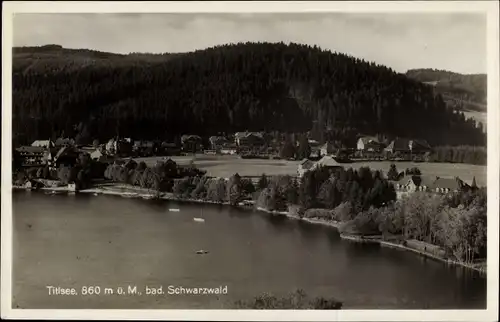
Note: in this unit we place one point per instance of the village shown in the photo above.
(65, 153)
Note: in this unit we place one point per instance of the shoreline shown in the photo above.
(141, 193)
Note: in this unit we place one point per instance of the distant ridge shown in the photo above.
(466, 92)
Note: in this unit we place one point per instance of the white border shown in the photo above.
(489, 7)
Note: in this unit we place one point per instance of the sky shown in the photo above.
(402, 41)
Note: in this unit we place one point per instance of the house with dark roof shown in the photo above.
(419, 146)
(327, 149)
(405, 147)
(169, 148)
(229, 149)
(369, 144)
(66, 156)
(398, 145)
(412, 183)
(117, 146)
(249, 139)
(327, 162)
(144, 148)
(447, 185)
(218, 142)
(239, 135)
(191, 143)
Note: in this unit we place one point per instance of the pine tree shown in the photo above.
(474, 185)
(288, 150)
(233, 190)
(263, 182)
(304, 149)
(393, 172)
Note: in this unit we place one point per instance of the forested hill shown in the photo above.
(251, 86)
(466, 92)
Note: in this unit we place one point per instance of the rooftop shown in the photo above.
(328, 161)
(448, 183)
(369, 139)
(42, 143)
(239, 135)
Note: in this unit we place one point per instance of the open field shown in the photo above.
(226, 166)
(478, 116)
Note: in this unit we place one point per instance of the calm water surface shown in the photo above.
(108, 241)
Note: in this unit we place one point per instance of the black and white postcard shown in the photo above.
(327, 161)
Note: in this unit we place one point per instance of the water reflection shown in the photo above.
(238, 213)
(309, 231)
(278, 222)
(333, 236)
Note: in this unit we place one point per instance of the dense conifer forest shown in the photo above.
(237, 87)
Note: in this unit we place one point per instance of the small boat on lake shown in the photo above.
(201, 252)
(174, 209)
(199, 219)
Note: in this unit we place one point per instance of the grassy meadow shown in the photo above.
(226, 166)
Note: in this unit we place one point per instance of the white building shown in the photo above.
(43, 143)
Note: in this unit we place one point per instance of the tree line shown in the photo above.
(458, 227)
(324, 188)
(251, 86)
(159, 177)
(460, 154)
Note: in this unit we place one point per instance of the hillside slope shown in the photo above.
(467, 92)
(254, 86)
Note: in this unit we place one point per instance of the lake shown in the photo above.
(110, 241)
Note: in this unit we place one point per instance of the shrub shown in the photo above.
(263, 182)
(344, 212)
(216, 190)
(325, 214)
(180, 186)
(247, 186)
(295, 300)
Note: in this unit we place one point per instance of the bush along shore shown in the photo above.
(361, 204)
